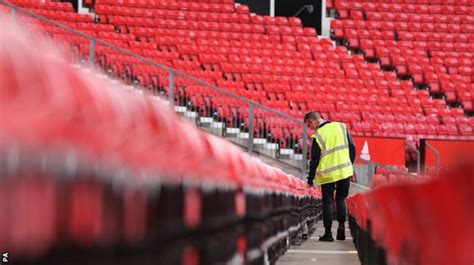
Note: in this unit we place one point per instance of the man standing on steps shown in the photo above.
(332, 155)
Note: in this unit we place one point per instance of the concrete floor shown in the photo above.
(325, 253)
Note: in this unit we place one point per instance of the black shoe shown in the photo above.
(327, 237)
(305, 236)
(341, 235)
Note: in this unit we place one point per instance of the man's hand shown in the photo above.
(354, 178)
(309, 183)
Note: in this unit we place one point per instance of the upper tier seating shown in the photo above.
(274, 61)
(430, 42)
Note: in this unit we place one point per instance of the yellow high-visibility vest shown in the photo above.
(335, 163)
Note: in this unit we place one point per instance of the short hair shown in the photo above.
(312, 115)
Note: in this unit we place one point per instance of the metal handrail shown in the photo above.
(436, 152)
(309, 7)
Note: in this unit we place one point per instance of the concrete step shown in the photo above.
(313, 251)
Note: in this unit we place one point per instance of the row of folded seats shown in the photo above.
(269, 60)
(436, 5)
(390, 175)
(393, 177)
(428, 43)
(404, 220)
(91, 173)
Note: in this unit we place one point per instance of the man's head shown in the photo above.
(312, 119)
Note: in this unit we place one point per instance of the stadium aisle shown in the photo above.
(328, 253)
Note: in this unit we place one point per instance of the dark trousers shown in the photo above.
(342, 190)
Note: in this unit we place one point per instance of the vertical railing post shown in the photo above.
(91, 51)
(304, 163)
(251, 115)
(171, 88)
(436, 153)
(13, 14)
(272, 8)
(370, 172)
(418, 162)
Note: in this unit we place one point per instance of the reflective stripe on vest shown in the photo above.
(334, 163)
(332, 169)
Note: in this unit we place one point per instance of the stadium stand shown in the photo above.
(274, 61)
(91, 173)
(428, 44)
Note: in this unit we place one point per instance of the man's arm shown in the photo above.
(352, 148)
(315, 156)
